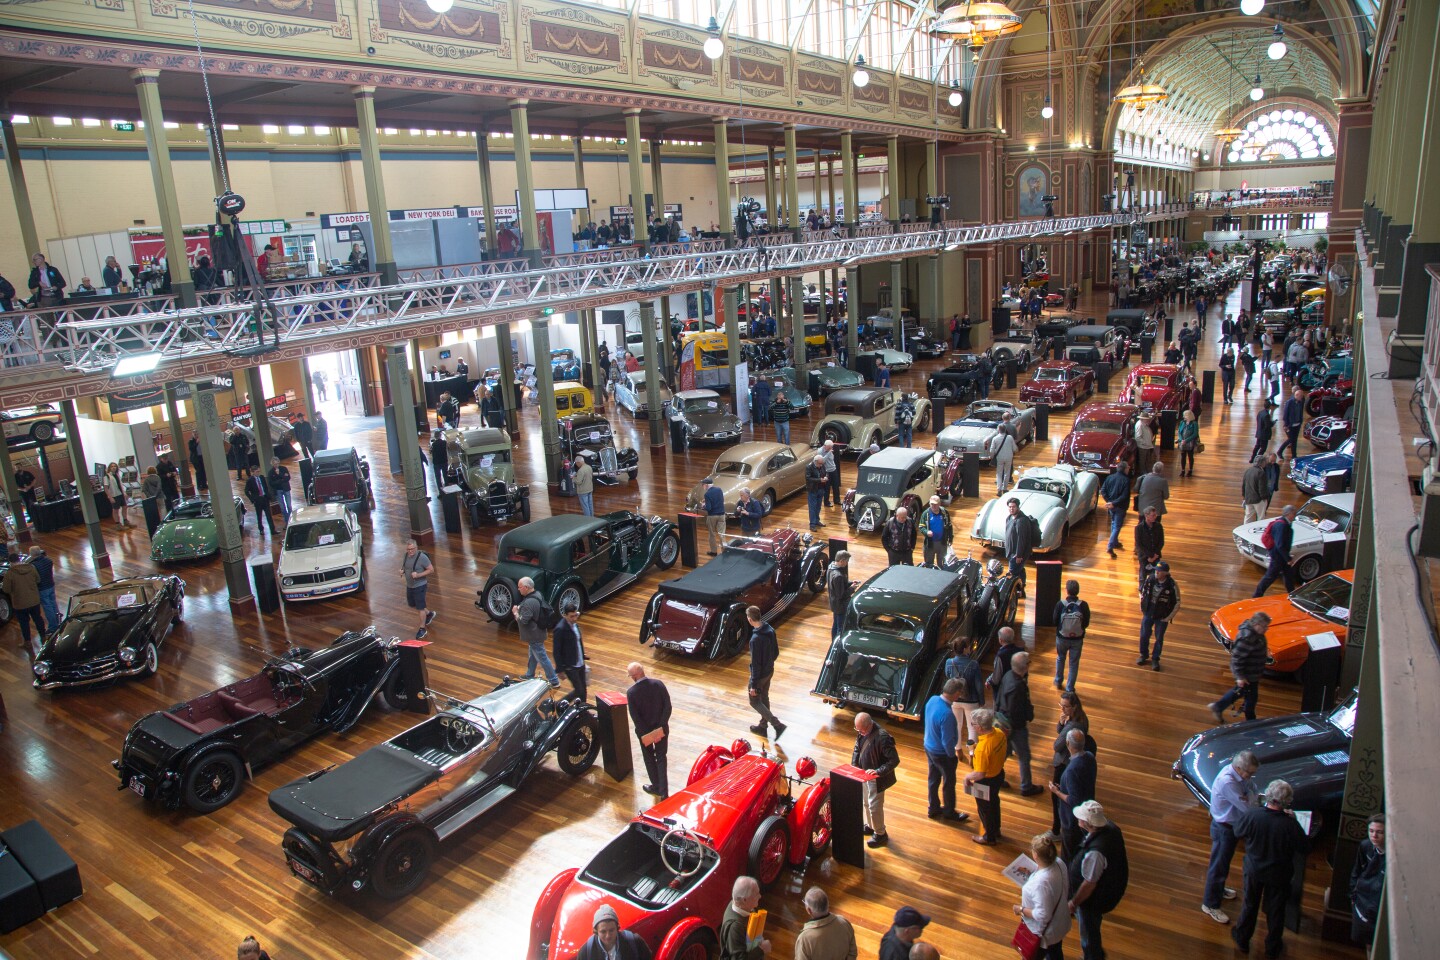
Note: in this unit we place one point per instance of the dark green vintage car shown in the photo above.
(577, 559)
(891, 651)
(189, 531)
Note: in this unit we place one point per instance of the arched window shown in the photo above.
(1282, 134)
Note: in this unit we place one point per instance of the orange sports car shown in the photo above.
(1320, 606)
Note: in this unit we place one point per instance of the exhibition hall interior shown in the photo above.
(628, 479)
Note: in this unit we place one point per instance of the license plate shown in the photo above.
(301, 870)
(869, 699)
(137, 785)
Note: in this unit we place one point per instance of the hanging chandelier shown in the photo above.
(1228, 134)
(1141, 95)
(976, 22)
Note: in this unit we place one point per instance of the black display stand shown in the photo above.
(1319, 676)
(1207, 387)
(970, 474)
(415, 675)
(1047, 591)
(847, 814)
(56, 875)
(1168, 419)
(450, 507)
(1000, 321)
(677, 435)
(1147, 349)
(267, 589)
(19, 895)
(1169, 330)
(1042, 421)
(1012, 370)
(150, 507)
(937, 414)
(689, 534)
(612, 708)
(307, 477)
(1102, 377)
(835, 545)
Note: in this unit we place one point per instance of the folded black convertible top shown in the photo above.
(735, 570)
(335, 805)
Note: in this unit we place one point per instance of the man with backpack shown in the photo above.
(415, 570)
(1072, 619)
(904, 418)
(969, 698)
(1277, 538)
(535, 619)
(1159, 603)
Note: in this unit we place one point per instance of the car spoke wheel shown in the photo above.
(835, 434)
(213, 781)
(394, 693)
(402, 864)
(816, 582)
(179, 610)
(150, 661)
(668, 552)
(570, 596)
(499, 599)
(769, 849)
(5, 609)
(579, 744)
(820, 828)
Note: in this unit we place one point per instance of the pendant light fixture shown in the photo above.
(1257, 92)
(1047, 111)
(1251, 7)
(1277, 47)
(956, 96)
(861, 76)
(1143, 94)
(977, 22)
(714, 46)
(440, 6)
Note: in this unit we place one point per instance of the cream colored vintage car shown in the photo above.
(771, 472)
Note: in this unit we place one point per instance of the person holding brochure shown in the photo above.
(737, 942)
(649, 704)
(983, 782)
(1042, 902)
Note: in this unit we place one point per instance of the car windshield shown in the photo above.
(732, 468)
(322, 533)
(884, 483)
(488, 459)
(1342, 718)
(1347, 448)
(1323, 595)
(1324, 517)
(124, 600)
(703, 405)
(1153, 380)
(190, 510)
(1050, 373)
(1053, 487)
(897, 624)
(1098, 426)
(599, 433)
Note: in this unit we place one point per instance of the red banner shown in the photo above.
(145, 248)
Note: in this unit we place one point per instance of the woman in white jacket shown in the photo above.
(1043, 898)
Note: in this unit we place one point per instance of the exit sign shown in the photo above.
(123, 126)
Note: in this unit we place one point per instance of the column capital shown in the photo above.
(144, 75)
(632, 111)
(789, 128)
(362, 90)
(520, 103)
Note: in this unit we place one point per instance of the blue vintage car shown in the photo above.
(564, 365)
(1319, 473)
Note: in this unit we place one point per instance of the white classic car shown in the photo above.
(1323, 520)
(322, 553)
(897, 360)
(1057, 497)
(977, 429)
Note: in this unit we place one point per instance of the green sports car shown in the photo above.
(189, 532)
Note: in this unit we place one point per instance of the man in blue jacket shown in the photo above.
(1292, 417)
(942, 752)
(714, 514)
(764, 651)
(1282, 534)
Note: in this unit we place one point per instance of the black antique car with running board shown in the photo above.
(201, 752)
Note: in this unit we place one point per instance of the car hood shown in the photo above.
(713, 422)
(80, 640)
(185, 536)
(1105, 444)
(318, 558)
(1301, 749)
(1304, 535)
(1323, 463)
(964, 437)
(478, 478)
(839, 376)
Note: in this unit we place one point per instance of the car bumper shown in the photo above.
(862, 699)
(1219, 637)
(1252, 551)
(317, 591)
(728, 437)
(119, 673)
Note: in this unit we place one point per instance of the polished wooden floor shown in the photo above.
(164, 884)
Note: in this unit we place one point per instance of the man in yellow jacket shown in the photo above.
(988, 773)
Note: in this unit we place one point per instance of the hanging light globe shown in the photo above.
(976, 22)
(440, 6)
(956, 96)
(714, 47)
(1277, 47)
(1251, 7)
(1047, 111)
(861, 76)
(1257, 92)
(1143, 94)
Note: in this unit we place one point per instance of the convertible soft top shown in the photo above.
(335, 806)
(735, 570)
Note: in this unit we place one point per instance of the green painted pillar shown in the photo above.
(222, 494)
(24, 213)
(408, 439)
(667, 342)
(597, 372)
(13, 498)
(100, 556)
(796, 302)
(487, 188)
(525, 182)
(509, 393)
(849, 182)
(852, 310)
(179, 453)
(732, 342)
(583, 217)
(307, 389)
(382, 257)
(897, 294)
(545, 387)
(259, 420)
(652, 379)
(638, 224)
(932, 266)
(147, 88)
(723, 220)
(657, 177)
(892, 178)
(772, 210)
(792, 183)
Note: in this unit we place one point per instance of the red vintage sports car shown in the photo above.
(669, 875)
(1156, 386)
(703, 612)
(1328, 433)
(1342, 390)
(1059, 383)
(1103, 435)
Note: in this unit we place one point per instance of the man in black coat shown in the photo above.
(257, 490)
(898, 538)
(439, 458)
(169, 480)
(322, 431)
(838, 590)
(764, 650)
(197, 460)
(1273, 839)
(1013, 700)
(569, 649)
(875, 753)
(1099, 875)
(239, 452)
(650, 715)
(1149, 542)
(304, 435)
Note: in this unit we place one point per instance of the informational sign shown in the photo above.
(147, 248)
(343, 219)
(271, 403)
(125, 400)
(264, 228)
(429, 213)
(502, 212)
(574, 199)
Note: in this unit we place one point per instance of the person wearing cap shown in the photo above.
(735, 925)
(825, 936)
(866, 454)
(610, 942)
(714, 501)
(909, 924)
(938, 530)
(1273, 839)
(1159, 603)
(1099, 874)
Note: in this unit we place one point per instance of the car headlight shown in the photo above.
(349, 571)
(42, 670)
(690, 428)
(128, 655)
(287, 582)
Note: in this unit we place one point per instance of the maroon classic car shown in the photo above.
(1157, 386)
(703, 612)
(669, 874)
(1341, 390)
(1059, 383)
(1328, 433)
(1103, 435)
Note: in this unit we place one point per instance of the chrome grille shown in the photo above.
(608, 462)
(325, 576)
(80, 672)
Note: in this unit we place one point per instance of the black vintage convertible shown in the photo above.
(396, 802)
(111, 632)
(200, 752)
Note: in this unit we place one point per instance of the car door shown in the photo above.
(590, 558)
(784, 473)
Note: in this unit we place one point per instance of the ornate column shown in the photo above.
(98, 552)
(24, 213)
(487, 188)
(1422, 245)
(575, 143)
(657, 177)
(652, 379)
(852, 308)
(849, 182)
(509, 393)
(408, 439)
(525, 182)
(259, 421)
(545, 387)
(147, 88)
(732, 338)
(723, 220)
(792, 183)
(382, 257)
(179, 454)
(637, 180)
(892, 178)
(222, 493)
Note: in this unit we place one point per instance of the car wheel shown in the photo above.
(733, 634)
(769, 851)
(360, 584)
(499, 599)
(922, 422)
(394, 693)
(767, 501)
(212, 780)
(834, 432)
(6, 611)
(573, 595)
(697, 945)
(179, 614)
(579, 744)
(816, 581)
(1308, 568)
(402, 863)
(820, 828)
(42, 431)
(151, 660)
(668, 551)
